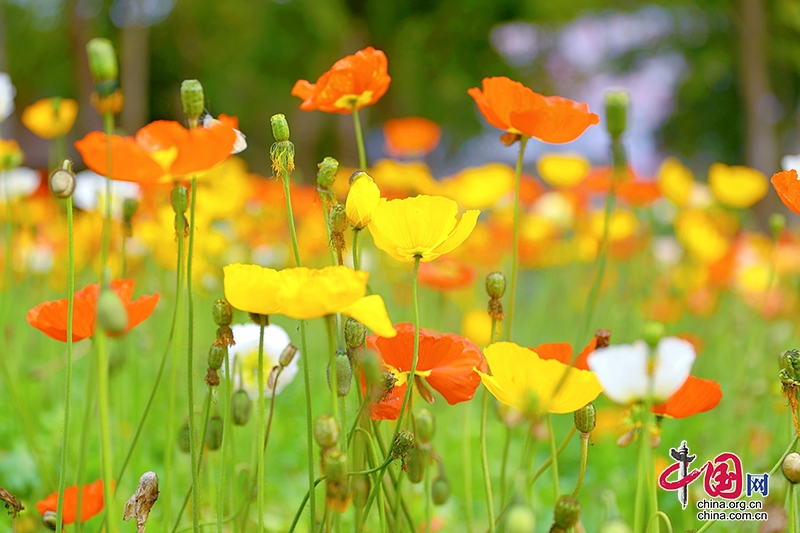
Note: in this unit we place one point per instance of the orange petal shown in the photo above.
(695, 396)
(788, 188)
(130, 162)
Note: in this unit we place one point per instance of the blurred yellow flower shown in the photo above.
(524, 381)
(305, 293)
(622, 224)
(364, 195)
(479, 187)
(675, 181)
(49, 118)
(701, 238)
(556, 207)
(424, 226)
(563, 170)
(225, 190)
(11, 155)
(736, 186)
(477, 326)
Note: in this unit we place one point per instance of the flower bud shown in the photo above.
(361, 490)
(326, 431)
(193, 100)
(185, 438)
(111, 313)
(416, 465)
(214, 432)
(791, 467)
(520, 519)
(49, 520)
(585, 418)
(344, 374)
(603, 337)
(241, 405)
(567, 512)
(334, 464)
(617, 102)
(423, 426)
(216, 356)
(280, 127)
(102, 60)
(402, 444)
(62, 183)
(326, 174)
(354, 333)
(338, 218)
(626, 438)
(180, 199)
(495, 285)
(129, 206)
(223, 312)
(653, 332)
(777, 221)
(790, 365)
(440, 491)
(287, 354)
(272, 380)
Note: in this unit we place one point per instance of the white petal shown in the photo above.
(674, 360)
(90, 192)
(790, 162)
(7, 93)
(622, 370)
(245, 353)
(18, 182)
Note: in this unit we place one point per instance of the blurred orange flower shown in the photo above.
(512, 107)
(695, 396)
(353, 82)
(446, 274)
(787, 185)
(92, 502)
(562, 351)
(161, 151)
(411, 137)
(51, 317)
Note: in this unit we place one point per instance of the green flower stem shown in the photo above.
(783, 455)
(641, 484)
(503, 467)
(62, 478)
(394, 479)
(306, 362)
(101, 346)
(664, 518)
(193, 452)
(467, 466)
(362, 155)
(515, 245)
(309, 492)
(260, 426)
(325, 200)
(226, 444)
(108, 127)
(487, 480)
(356, 258)
(88, 410)
(584, 460)
(332, 377)
(553, 455)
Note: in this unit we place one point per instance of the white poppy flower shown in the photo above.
(90, 193)
(623, 369)
(790, 162)
(7, 93)
(245, 351)
(20, 181)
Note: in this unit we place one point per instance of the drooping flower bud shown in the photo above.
(416, 465)
(102, 60)
(777, 222)
(49, 520)
(344, 374)
(423, 426)
(241, 406)
(280, 127)
(193, 100)
(653, 332)
(62, 183)
(223, 312)
(354, 333)
(326, 175)
(326, 431)
(566, 514)
(791, 467)
(495, 284)
(521, 519)
(585, 418)
(287, 355)
(617, 102)
(111, 313)
(214, 432)
(180, 199)
(440, 490)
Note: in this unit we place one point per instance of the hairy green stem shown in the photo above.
(515, 245)
(362, 155)
(193, 452)
(584, 460)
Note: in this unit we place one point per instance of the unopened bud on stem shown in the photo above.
(102, 60)
(193, 100)
(617, 102)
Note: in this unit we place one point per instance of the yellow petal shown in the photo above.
(364, 195)
(252, 288)
(371, 311)
(49, 118)
(504, 394)
(675, 181)
(458, 236)
(736, 186)
(307, 293)
(479, 187)
(563, 170)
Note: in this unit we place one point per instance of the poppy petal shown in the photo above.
(130, 162)
(695, 396)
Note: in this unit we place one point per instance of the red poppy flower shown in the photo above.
(634, 190)
(787, 185)
(411, 137)
(512, 107)
(51, 317)
(161, 151)
(446, 274)
(355, 81)
(562, 351)
(92, 502)
(446, 363)
(695, 396)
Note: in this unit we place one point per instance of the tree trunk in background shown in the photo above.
(761, 142)
(134, 57)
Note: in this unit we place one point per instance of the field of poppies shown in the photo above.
(560, 346)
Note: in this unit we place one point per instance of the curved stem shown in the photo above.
(189, 363)
(515, 245)
(303, 503)
(362, 156)
(664, 518)
(584, 459)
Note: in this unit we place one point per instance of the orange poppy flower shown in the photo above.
(787, 185)
(634, 191)
(695, 396)
(51, 317)
(512, 107)
(562, 351)
(446, 363)
(446, 274)
(92, 502)
(161, 151)
(353, 82)
(411, 137)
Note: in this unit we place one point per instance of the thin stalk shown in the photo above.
(303, 503)
(226, 431)
(467, 465)
(664, 518)
(101, 346)
(487, 480)
(515, 245)
(362, 156)
(332, 377)
(193, 452)
(260, 427)
(506, 447)
(356, 258)
(108, 127)
(584, 460)
(641, 486)
(427, 492)
(88, 409)
(553, 455)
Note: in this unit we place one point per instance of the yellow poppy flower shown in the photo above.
(622, 224)
(675, 181)
(11, 155)
(424, 226)
(479, 187)
(736, 186)
(524, 381)
(701, 237)
(49, 118)
(306, 293)
(364, 195)
(563, 170)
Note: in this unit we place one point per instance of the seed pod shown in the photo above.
(402, 444)
(111, 313)
(62, 183)
(185, 438)
(653, 332)
(440, 491)
(617, 102)
(790, 364)
(495, 285)
(241, 405)
(214, 433)
(193, 99)
(129, 207)
(585, 418)
(567, 512)
(334, 464)
(424, 425)
(326, 174)
(520, 519)
(416, 465)
(180, 199)
(102, 60)
(791, 467)
(49, 520)
(223, 312)
(338, 218)
(216, 356)
(280, 127)
(354, 333)
(326, 431)
(344, 374)
(287, 355)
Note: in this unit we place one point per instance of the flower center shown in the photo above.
(402, 377)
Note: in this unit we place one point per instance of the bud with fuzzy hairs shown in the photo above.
(566, 514)
(102, 60)
(62, 183)
(326, 175)
(326, 431)
(585, 418)
(424, 426)
(791, 467)
(111, 313)
(440, 491)
(241, 407)
(193, 100)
